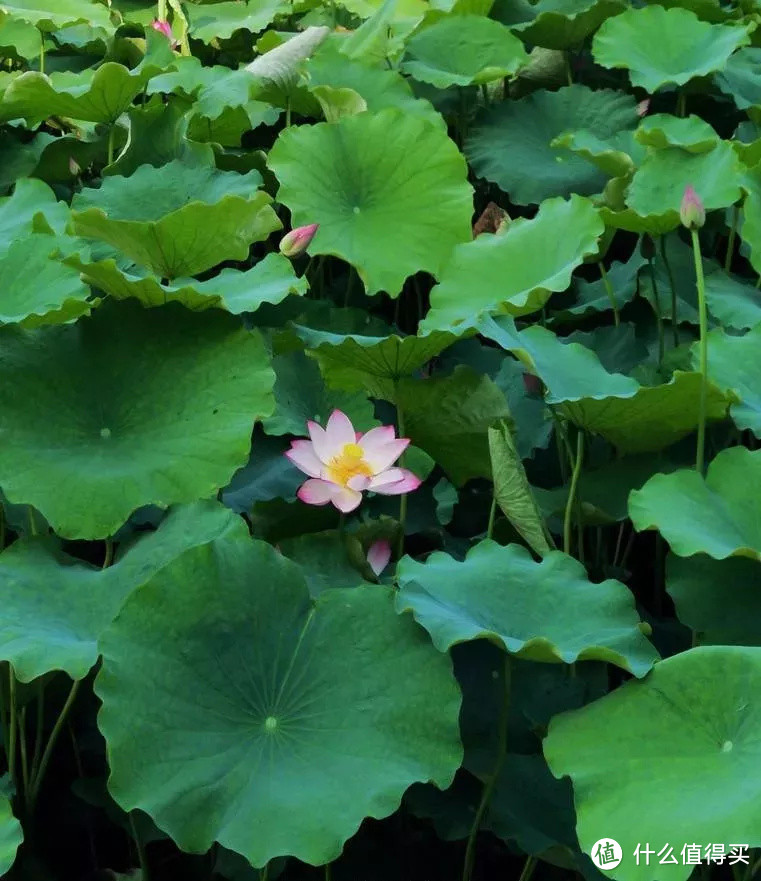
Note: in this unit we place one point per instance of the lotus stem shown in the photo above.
(403, 496)
(658, 315)
(571, 501)
(36, 781)
(609, 291)
(732, 237)
(492, 516)
(672, 285)
(470, 849)
(11, 743)
(140, 847)
(703, 313)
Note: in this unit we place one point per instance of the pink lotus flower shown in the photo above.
(342, 463)
(163, 27)
(297, 240)
(692, 212)
(379, 555)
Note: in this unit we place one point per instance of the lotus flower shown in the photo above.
(163, 27)
(692, 212)
(379, 555)
(342, 463)
(297, 240)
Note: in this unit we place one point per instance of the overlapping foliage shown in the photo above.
(541, 622)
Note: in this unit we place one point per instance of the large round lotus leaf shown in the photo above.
(740, 78)
(653, 418)
(516, 271)
(546, 611)
(269, 281)
(691, 133)
(129, 407)
(528, 168)
(557, 24)
(719, 515)
(220, 20)
(100, 96)
(669, 761)
(372, 182)
(659, 184)
(50, 15)
(379, 87)
(661, 46)
(178, 220)
(734, 363)
(11, 835)
(37, 287)
(461, 50)
(718, 599)
(18, 212)
(276, 723)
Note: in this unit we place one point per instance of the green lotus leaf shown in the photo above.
(662, 46)
(463, 50)
(718, 515)
(379, 87)
(50, 15)
(336, 103)
(529, 169)
(11, 835)
(449, 417)
(653, 418)
(280, 68)
(734, 363)
(269, 281)
(372, 195)
(615, 156)
(94, 447)
(732, 302)
(517, 271)
(648, 759)
(19, 39)
(262, 732)
(218, 21)
(751, 214)
(18, 212)
(301, 395)
(561, 24)
(178, 220)
(691, 133)
(592, 296)
(707, 10)
(718, 599)
(229, 127)
(19, 156)
(740, 78)
(36, 285)
(266, 476)
(323, 560)
(658, 185)
(547, 611)
(353, 360)
(95, 96)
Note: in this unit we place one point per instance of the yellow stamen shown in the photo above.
(347, 464)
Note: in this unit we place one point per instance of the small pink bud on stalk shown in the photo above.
(691, 212)
(297, 240)
(379, 555)
(163, 27)
(74, 167)
(643, 107)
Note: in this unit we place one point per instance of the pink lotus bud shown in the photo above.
(643, 107)
(163, 27)
(691, 212)
(379, 555)
(74, 167)
(297, 240)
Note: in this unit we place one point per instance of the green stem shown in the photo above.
(32, 524)
(22, 750)
(328, 873)
(732, 237)
(703, 313)
(528, 868)
(492, 517)
(42, 52)
(572, 491)
(288, 112)
(568, 69)
(143, 862)
(485, 94)
(109, 556)
(2, 527)
(263, 873)
(681, 104)
(11, 744)
(658, 315)
(37, 754)
(672, 285)
(349, 286)
(403, 496)
(470, 849)
(39, 776)
(111, 136)
(609, 292)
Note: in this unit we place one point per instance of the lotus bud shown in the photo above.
(379, 555)
(297, 240)
(74, 168)
(692, 212)
(163, 27)
(643, 107)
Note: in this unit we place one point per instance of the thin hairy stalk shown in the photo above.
(703, 315)
(609, 292)
(569, 505)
